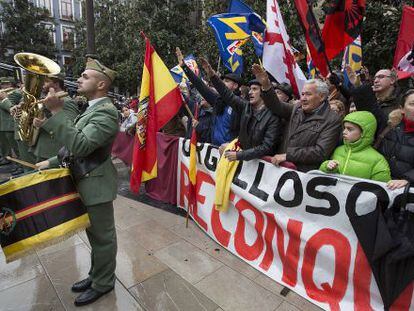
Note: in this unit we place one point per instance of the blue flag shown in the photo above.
(178, 73)
(258, 26)
(231, 32)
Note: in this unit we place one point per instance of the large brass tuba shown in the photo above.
(37, 68)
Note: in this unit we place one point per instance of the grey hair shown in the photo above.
(321, 87)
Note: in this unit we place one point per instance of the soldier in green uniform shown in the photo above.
(46, 145)
(89, 139)
(7, 101)
(23, 147)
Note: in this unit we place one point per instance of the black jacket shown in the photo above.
(259, 132)
(396, 146)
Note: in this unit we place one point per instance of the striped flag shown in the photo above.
(159, 101)
(193, 162)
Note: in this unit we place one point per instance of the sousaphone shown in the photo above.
(37, 68)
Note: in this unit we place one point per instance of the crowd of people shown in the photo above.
(363, 128)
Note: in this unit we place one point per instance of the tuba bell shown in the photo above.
(37, 68)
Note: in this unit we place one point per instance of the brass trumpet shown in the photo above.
(38, 67)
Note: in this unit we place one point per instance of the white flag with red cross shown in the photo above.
(278, 56)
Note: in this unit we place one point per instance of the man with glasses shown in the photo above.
(384, 87)
(386, 90)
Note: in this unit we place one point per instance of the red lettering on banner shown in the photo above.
(243, 249)
(330, 294)
(221, 234)
(362, 282)
(184, 192)
(403, 302)
(290, 258)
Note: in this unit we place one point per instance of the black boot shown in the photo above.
(89, 296)
(81, 286)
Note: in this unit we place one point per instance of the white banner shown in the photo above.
(293, 227)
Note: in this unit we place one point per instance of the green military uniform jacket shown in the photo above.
(47, 146)
(96, 127)
(6, 120)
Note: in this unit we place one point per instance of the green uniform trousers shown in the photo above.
(4, 145)
(9, 138)
(102, 237)
(25, 154)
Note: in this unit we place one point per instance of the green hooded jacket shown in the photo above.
(360, 159)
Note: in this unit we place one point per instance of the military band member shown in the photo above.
(7, 123)
(46, 145)
(24, 153)
(89, 139)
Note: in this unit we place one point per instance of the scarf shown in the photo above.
(408, 125)
(224, 177)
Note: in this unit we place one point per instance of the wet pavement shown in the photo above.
(161, 265)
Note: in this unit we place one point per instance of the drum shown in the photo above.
(38, 210)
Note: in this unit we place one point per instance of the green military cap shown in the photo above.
(94, 64)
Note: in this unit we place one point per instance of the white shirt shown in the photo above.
(129, 122)
(94, 101)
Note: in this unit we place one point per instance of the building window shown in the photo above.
(51, 30)
(68, 38)
(67, 62)
(66, 10)
(45, 4)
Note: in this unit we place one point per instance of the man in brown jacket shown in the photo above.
(313, 129)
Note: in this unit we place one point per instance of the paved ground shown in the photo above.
(161, 265)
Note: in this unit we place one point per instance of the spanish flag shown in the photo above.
(159, 101)
(193, 163)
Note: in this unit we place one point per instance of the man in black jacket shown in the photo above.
(259, 128)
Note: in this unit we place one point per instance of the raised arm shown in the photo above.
(365, 100)
(282, 110)
(227, 96)
(209, 95)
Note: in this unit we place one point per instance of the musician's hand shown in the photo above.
(262, 76)
(38, 122)
(53, 103)
(42, 165)
(207, 67)
(3, 95)
(180, 56)
(15, 111)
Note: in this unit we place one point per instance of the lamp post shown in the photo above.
(90, 29)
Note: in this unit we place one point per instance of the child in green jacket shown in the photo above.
(357, 157)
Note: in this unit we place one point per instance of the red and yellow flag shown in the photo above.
(159, 101)
(192, 171)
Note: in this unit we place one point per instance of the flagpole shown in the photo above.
(189, 110)
(318, 31)
(218, 64)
